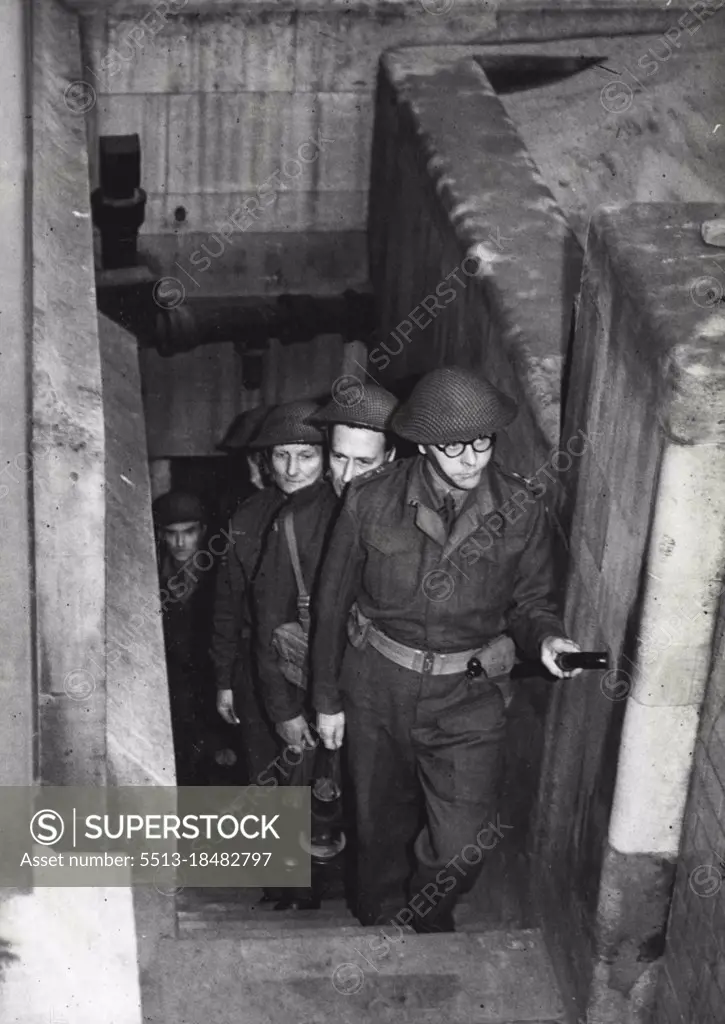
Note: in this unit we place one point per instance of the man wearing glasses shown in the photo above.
(421, 600)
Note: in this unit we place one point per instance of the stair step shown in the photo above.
(230, 913)
(238, 913)
(353, 976)
(271, 925)
(235, 930)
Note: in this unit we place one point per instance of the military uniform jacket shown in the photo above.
(187, 624)
(275, 590)
(231, 625)
(389, 552)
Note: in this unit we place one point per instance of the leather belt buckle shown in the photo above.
(428, 662)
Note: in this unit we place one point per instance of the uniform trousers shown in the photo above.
(425, 757)
(258, 740)
(259, 743)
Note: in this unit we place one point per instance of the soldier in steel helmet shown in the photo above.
(246, 471)
(293, 456)
(420, 579)
(358, 443)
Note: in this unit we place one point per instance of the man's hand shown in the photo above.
(225, 706)
(554, 645)
(296, 733)
(331, 729)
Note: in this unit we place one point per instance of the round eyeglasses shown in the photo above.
(479, 444)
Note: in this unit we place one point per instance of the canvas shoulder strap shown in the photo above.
(303, 598)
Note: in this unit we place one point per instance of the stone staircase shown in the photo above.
(230, 959)
(350, 975)
(236, 960)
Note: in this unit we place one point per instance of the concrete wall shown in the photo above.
(639, 127)
(65, 954)
(140, 749)
(225, 95)
(692, 985)
(18, 765)
(471, 259)
(190, 399)
(638, 459)
(68, 482)
(644, 512)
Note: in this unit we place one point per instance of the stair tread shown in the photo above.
(353, 975)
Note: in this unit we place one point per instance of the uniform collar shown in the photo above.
(420, 496)
(173, 576)
(438, 488)
(308, 495)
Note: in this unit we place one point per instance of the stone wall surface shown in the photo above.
(639, 127)
(471, 258)
(65, 954)
(646, 523)
(191, 398)
(68, 481)
(692, 984)
(140, 748)
(226, 98)
(18, 765)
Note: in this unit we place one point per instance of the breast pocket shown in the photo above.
(391, 568)
(490, 569)
(389, 542)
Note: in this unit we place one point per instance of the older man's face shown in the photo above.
(295, 466)
(354, 451)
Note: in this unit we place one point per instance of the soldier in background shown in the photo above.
(358, 443)
(245, 468)
(294, 460)
(424, 583)
(187, 597)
